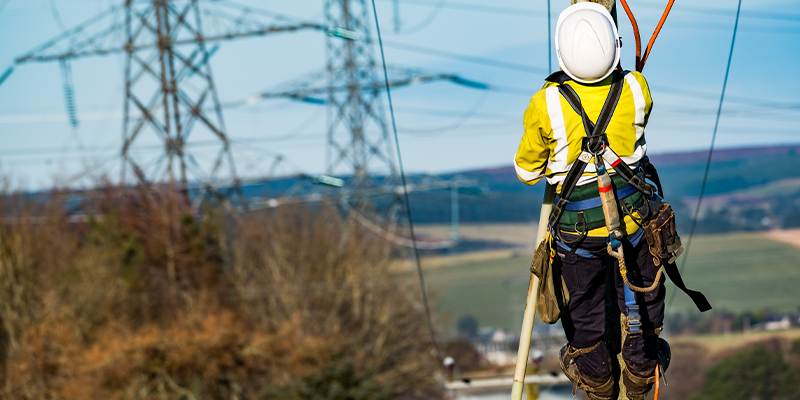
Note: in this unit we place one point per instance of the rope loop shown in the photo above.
(623, 271)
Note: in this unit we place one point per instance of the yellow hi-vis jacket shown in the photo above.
(554, 132)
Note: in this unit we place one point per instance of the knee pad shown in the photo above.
(639, 383)
(596, 388)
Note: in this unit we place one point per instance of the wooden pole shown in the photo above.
(530, 305)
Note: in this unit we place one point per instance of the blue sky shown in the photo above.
(443, 127)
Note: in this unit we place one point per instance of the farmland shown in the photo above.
(737, 272)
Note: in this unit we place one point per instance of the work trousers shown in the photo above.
(585, 317)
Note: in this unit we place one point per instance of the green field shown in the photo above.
(737, 272)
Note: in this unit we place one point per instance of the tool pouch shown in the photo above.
(664, 242)
(553, 295)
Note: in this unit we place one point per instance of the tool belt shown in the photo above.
(664, 242)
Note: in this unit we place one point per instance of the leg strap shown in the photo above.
(575, 353)
(594, 390)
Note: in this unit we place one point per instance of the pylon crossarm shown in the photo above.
(78, 43)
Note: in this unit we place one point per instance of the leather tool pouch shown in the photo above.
(552, 298)
(659, 230)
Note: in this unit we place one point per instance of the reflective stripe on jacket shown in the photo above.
(554, 131)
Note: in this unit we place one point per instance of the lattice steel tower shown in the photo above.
(169, 89)
(358, 135)
(169, 86)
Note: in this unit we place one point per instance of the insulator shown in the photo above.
(69, 93)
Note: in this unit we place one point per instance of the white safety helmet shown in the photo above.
(587, 43)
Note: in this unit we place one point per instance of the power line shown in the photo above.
(531, 69)
(425, 22)
(754, 14)
(711, 148)
(549, 40)
(405, 191)
(478, 8)
(462, 119)
(466, 58)
(526, 12)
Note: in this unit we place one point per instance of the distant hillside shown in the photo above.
(682, 173)
(748, 188)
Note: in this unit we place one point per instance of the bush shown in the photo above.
(148, 301)
(751, 374)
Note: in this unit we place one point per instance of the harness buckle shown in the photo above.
(558, 210)
(634, 321)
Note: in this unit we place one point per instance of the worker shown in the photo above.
(556, 138)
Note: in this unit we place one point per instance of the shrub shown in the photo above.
(751, 374)
(147, 300)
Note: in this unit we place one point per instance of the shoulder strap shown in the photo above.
(594, 141)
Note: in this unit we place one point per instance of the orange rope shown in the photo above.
(639, 59)
(655, 396)
(635, 33)
(656, 32)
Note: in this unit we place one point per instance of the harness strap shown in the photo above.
(576, 352)
(595, 202)
(625, 171)
(634, 319)
(593, 141)
(698, 298)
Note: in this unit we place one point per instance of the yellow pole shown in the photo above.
(530, 305)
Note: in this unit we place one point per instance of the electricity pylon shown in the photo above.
(358, 135)
(170, 94)
(351, 86)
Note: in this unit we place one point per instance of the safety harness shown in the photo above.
(595, 145)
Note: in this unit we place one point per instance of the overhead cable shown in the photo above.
(549, 40)
(529, 13)
(476, 7)
(420, 26)
(710, 150)
(405, 192)
(466, 58)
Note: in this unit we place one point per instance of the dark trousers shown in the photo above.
(584, 320)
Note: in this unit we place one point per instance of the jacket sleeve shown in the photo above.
(648, 99)
(530, 162)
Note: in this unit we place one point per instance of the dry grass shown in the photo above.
(720, 344)
(788, 236)
(147, 301)
(523, 235)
